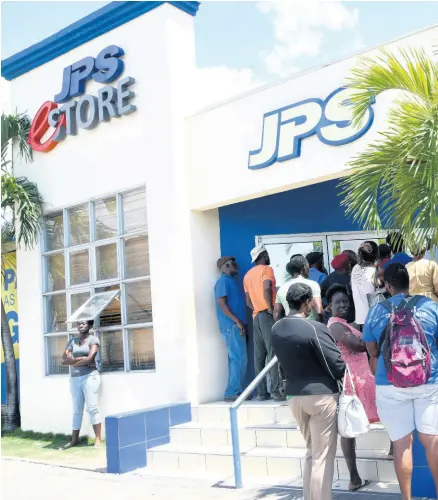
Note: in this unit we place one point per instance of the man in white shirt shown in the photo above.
(298, 268)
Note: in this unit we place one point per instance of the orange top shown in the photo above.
(253, 284)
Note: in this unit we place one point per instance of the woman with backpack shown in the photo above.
(353, 349)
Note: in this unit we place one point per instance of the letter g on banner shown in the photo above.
(40, 125)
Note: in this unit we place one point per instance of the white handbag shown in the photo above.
(352, 418)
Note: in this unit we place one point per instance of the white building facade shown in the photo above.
(141, 196)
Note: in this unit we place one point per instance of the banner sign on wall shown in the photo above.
(9, 299)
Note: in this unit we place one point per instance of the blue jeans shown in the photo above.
(85, 389)
(237, 360)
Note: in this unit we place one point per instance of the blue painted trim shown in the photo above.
(130, 435)
(95, 24)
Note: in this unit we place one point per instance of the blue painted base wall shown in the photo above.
(130, 435)
(422, 480)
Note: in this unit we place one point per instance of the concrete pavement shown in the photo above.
(27, 481)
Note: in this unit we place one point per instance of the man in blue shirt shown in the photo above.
(402, 410)
(231, 315)
(317, 271)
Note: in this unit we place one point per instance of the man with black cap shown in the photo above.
(317, 271)
(231, 315)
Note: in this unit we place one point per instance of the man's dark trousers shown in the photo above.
(264, 352)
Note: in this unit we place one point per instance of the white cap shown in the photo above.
(255, 252)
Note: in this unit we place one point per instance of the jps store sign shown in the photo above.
(89, 110)
(285, 128)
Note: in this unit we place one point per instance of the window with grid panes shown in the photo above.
(96, 247)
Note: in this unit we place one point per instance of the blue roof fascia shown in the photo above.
(97, 23)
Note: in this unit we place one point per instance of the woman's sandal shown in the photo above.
(365, 482)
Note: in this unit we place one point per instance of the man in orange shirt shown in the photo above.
(260, 290)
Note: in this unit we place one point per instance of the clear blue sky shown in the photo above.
(271, 41)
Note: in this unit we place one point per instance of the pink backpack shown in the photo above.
(406, 352)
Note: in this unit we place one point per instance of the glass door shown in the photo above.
(282, 247)
(339, 242)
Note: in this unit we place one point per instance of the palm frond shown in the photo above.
(8, 232)
(394, 181)
(410, 71)
(15, 128)
(22, 197)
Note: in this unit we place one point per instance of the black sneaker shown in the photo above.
(278, 398)
(264, 398)
(230, 399)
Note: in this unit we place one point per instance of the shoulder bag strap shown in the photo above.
(348, 374)
(382, 339)
(412, 301)
(375, 278)
(389, 307)
(403, 304)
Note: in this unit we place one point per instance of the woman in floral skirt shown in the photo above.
(353, 350)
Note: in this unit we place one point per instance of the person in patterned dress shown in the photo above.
(353, 350)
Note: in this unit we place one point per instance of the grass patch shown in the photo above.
(48, 447)
(19, 439)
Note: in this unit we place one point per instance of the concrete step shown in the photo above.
(272, 448)
(282, 486)
(265, 486)
(263, 435)
(262, 461)
(251, 412)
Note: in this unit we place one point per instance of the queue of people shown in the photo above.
(317, 324)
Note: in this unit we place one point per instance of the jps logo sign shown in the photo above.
(105, 68)
(285, 128)
(89, 110)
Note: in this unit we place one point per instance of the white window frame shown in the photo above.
(93, 283)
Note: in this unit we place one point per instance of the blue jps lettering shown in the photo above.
(105, 68)
(285, 128)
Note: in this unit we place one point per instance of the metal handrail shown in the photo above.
(234, 424)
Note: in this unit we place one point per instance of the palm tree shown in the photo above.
(20, 200)
(394, 183)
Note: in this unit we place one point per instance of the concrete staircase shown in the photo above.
(272, 448)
